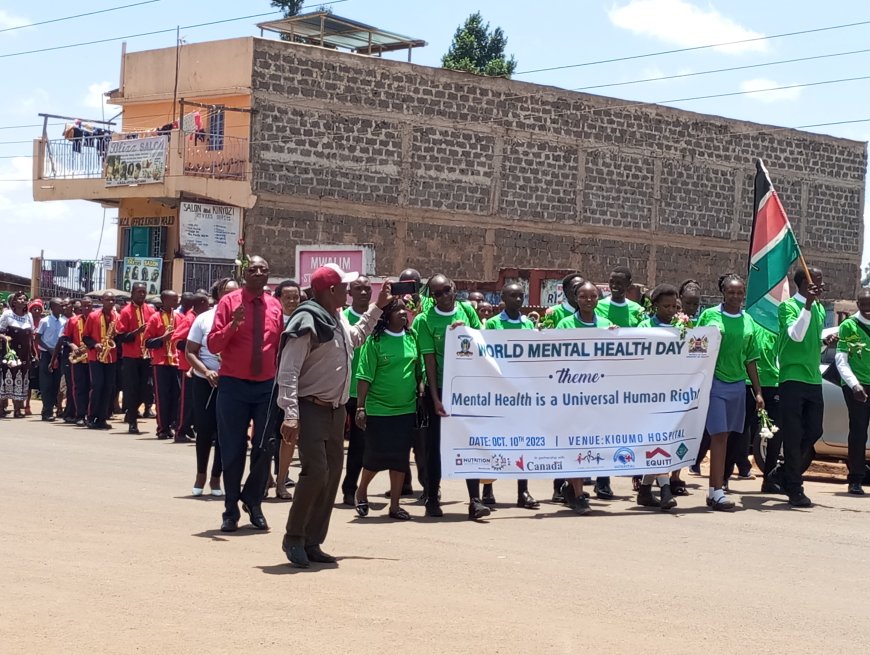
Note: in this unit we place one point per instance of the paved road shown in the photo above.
(103, 551)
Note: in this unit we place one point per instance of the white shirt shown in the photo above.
(198, 333)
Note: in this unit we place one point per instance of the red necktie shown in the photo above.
(257, 326)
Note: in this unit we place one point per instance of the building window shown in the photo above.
(216, 129)
(144, 241)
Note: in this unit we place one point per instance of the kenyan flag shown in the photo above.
(772, 250)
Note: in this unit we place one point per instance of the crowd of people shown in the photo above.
(241, 369)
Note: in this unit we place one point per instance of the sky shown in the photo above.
(542, 35)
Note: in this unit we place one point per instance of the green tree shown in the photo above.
(288, 7)
(476, 49)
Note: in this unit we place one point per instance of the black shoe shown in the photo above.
(799, 499)
(580, 506)
(667, 498)
(423, 499)
(133, 429)
(525, 501)
(256, 515)
(289, 482)
(477, 510)
(434, 510)
(81, 423)
(645, 496)
(724, 504)
(297, 556)
(558, 497)
(407, 492)
(488, 499)
(348, 499)
(567, 493)
(229, 525)
(315, 554)
(771, 487)
(603, 491)
(182, 438)
(48, 419)
(162, 436)
(69, 419)
(678, 488)
(149, 414)
(856, 489)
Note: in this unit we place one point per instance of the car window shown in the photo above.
(828, 354)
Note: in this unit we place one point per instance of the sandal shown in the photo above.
(283, 494)
(723, 504)
(678, 488)
(362, 508)
(400, 515)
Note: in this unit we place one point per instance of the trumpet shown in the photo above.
(79, 355)
(171, 352)
(108, 345)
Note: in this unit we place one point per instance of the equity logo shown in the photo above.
(658, 457)
(658, 452)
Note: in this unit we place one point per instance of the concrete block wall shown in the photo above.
(447, 171)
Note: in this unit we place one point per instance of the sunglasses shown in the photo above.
(442, 292)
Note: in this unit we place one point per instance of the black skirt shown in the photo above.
(388, 442)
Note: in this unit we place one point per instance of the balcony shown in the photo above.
(204, 166)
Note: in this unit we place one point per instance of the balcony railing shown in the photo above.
(224, 157)
(81, 158)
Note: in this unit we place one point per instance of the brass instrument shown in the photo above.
(171, 353)
(78, 355)
(108, 344)
(145, 353)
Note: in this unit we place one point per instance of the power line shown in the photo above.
(694, 48)
(90, 13)
(723, 70)
(141, 34)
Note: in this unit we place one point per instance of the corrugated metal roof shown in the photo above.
(327, 29)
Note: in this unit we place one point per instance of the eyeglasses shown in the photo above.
(442, 292)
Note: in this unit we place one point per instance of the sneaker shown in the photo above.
(581, 506)
(477, 510)
(645, 496)
(667, 498)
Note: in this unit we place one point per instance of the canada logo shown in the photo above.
(521, 465)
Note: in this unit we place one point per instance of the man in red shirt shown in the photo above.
(102, 358)
(135, 363)
(80, 379)
(246, 331)
(160, 341)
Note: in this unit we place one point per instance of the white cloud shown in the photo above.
(96, 98)
(684, 24)
(760, 83)
(8, 20)
(63, 229)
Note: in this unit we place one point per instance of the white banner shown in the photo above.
(209, 230)
(574, 403)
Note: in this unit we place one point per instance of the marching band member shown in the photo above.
(160, 341)
(135, 362)
(99, 337)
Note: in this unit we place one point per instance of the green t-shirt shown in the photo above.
(573, 321)
(502, 322)
(799, 360)
(432, 325)
(353, 318)
(390, 364)
(738, 343)
(653, 322)
(860, 364)
(628, 314)
(557, 313)
(767, 364)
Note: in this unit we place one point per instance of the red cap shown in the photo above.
(35, 303)
(330, 275)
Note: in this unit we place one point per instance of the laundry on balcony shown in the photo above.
(85, 134)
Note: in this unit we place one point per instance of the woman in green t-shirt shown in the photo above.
(389, 382)
(738, 353)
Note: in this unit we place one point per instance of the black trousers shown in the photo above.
(204, 407)
(801, 409)
(433, 450)
(419, 447)
(102, 391)
(185, 405)
(69, 410)
(81, 388)
(49, 383)
(355, 450)
(859, 420)
(239, 402)
(774, 444)
(167, 392)
(135, 373)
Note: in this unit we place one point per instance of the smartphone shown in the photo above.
(404, 288)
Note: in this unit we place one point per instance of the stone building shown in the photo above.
(448, 171)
